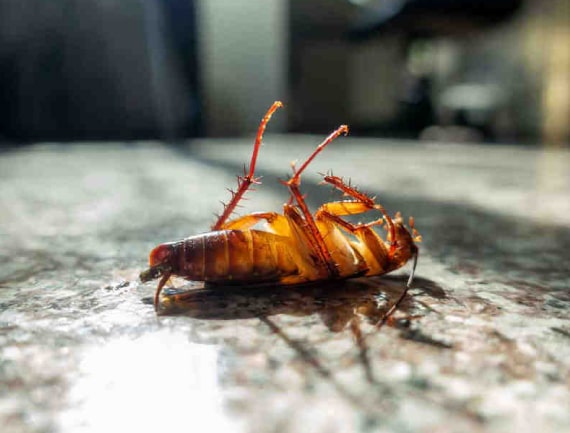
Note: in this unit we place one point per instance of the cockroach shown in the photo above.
(295, 247)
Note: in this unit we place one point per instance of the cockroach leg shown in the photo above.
(342, 129)
(335, 219)
(315, 234)
(325, 213)
(293, 185)
(416, 236)
(339, 184)
(322, 253)
(396, 304)
(275, 222)
(244, 182)
(248, 221)
(161, 284)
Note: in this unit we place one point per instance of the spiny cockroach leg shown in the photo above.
(339, 184)
(321, 252)
(347, 189)
(342, 129)
(319, 242)
(245, 181)
(293, 185)
(349, 227)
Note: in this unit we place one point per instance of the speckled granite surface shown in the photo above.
(481, 344)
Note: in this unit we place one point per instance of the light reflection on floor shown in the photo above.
(158, 382)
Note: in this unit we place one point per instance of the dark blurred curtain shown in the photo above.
(107, 69)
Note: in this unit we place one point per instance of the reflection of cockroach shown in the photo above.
(294, 247)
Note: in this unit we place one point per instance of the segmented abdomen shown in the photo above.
(235, 256)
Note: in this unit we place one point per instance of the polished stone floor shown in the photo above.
(481, 344)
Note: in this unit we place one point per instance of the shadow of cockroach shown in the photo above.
(336, 302)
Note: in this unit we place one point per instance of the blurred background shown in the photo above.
(446, 70)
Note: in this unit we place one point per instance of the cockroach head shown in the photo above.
(154, 272)
(160, 258)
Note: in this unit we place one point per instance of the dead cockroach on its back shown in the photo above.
(295, 247)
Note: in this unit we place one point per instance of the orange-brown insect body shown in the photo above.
(227, 256)
(292, 248)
